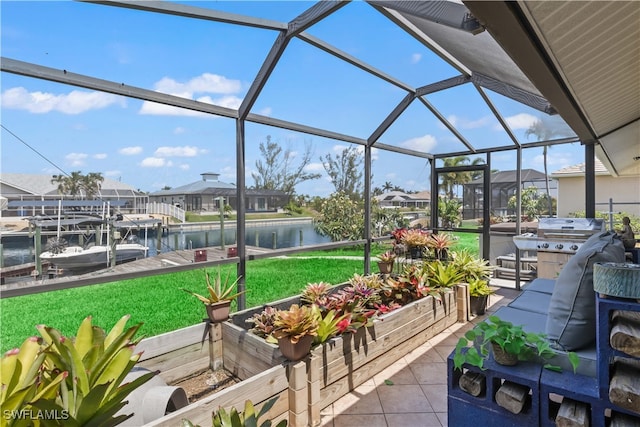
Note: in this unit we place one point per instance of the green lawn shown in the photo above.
(159, 302)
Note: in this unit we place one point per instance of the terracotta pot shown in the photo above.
(385, 267)
(502, 357)
(218, 312)
(478, 304)
(295, 351)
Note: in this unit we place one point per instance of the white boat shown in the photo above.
(77, 257)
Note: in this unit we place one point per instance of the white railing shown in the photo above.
(165, 209)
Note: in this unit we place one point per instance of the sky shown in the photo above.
(51, 128)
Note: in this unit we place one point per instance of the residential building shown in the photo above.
(205, 195)
(622, 192)
(36, 194)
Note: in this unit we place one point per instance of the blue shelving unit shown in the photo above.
(468, 410)
(606, 354)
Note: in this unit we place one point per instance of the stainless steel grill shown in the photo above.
(557, 240)
(566, 235)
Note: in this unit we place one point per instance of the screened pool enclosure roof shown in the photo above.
(573, 64)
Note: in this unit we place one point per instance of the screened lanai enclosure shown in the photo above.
(413, 86)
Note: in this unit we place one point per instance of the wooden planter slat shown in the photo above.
(170, 341)
(258, 389)
(179, 363)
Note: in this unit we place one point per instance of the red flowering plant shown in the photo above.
(398, 234)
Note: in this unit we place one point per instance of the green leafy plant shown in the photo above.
(443, 275)
(246, 418)
(328, 324)
(473, 348)
(480, 288)
(21, 379)
(218, 290)
(79, 379)
(471, 266)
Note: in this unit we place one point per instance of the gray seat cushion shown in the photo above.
(537, 302)
(571, 321)
(541, 285)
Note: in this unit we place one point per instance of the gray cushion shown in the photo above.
(537, 302)
(541, 285)
(571, 323)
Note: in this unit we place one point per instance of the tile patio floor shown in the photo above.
(412, 392)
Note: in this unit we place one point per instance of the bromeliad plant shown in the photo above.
(247, 418)
(218, 290)
(78, 378)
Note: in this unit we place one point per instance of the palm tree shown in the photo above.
(543, 133)
(452, 179)
(387, 186)
(76, 183)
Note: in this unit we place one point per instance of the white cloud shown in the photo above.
(424, 143)
(186, 151)
(415, 58)
(266, 111)
(195, 89)
(113, 173)
(130, 151)
(76, 159)
(520, 121)
(179, 130)
(314, 167)
(184, 166)
(463, 123)
(75, 102)
(155, 162)
(100, 156)
(205, 83)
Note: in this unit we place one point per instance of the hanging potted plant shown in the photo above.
(218, 302)
(479, 291)
(295, 329)
(386, 261)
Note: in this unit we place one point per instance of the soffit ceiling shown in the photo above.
(584, 57)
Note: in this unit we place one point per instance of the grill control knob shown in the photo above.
(574, 247)
(544, 245)
(559, 246)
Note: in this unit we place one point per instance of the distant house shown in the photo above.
(398, 199)
(503, 186)
(204, 195)
(34, 194)
(622, 191)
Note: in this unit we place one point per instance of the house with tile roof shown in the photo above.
(35, 194)
(399, 199)
(623, 192)
(204, 196)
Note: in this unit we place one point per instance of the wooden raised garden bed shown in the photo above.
(332, 370)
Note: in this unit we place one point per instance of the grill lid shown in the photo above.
(570, 225)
